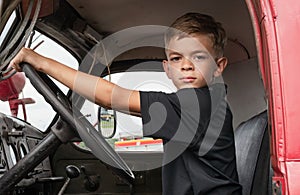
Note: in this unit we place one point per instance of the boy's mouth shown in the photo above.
(188, 79)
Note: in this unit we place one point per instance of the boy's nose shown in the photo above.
(187, 65)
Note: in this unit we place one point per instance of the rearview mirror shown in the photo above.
(106, 122)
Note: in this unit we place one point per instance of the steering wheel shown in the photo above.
(73, 117)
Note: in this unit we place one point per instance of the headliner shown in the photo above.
(107, 17)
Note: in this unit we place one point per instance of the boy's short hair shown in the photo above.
(197, 23)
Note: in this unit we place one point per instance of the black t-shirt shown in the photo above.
(196, 127)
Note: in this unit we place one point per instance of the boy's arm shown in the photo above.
(94, 88)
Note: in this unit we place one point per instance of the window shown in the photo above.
(40, 114)
(8, 28)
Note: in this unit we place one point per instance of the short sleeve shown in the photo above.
(157, 109)
(178, 116)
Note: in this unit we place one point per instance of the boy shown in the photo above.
(195, 122)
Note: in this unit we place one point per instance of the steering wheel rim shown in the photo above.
(89, 135)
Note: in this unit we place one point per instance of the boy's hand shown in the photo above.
(26, 55)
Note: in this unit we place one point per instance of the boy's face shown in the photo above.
(191, 61)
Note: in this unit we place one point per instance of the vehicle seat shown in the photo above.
(253, 155)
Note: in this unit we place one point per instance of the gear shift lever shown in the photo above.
(72, 172)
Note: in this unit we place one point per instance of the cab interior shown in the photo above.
(80, 25)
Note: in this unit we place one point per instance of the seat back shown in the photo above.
(250, 150)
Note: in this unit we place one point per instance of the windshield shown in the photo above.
(40, 113)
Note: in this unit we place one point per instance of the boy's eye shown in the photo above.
(199, 57)
(175, 59)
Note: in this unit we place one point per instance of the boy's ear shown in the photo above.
(166, 67)
(221, 65)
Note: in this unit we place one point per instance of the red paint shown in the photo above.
(277, 26)
(10, 88)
